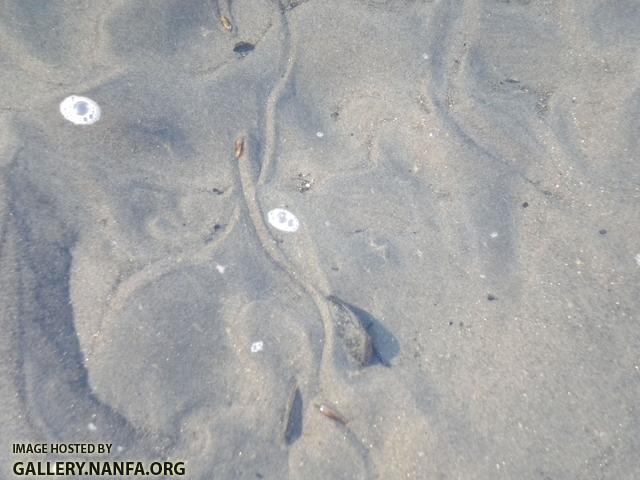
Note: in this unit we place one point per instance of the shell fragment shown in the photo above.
(80, 110)
(283, 220)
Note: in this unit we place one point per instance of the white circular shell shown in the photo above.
(283, 220)
(80, 110)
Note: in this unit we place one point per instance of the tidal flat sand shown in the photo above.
(459, 299)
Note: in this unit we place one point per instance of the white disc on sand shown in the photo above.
(283, 220)
(80, 110)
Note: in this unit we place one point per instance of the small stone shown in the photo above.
(242, 49)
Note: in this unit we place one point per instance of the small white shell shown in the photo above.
(80, 110)
(283, 220)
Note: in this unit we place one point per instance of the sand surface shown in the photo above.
(461, 299)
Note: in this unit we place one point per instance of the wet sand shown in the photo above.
(460, 300)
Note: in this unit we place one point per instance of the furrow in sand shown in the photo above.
(270, 121)
(320, 299)
(269, 244)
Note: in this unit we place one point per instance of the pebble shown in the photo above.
(242, 49)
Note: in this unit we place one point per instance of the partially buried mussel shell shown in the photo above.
(351, 331)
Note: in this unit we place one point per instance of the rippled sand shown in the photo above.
(460, 300)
